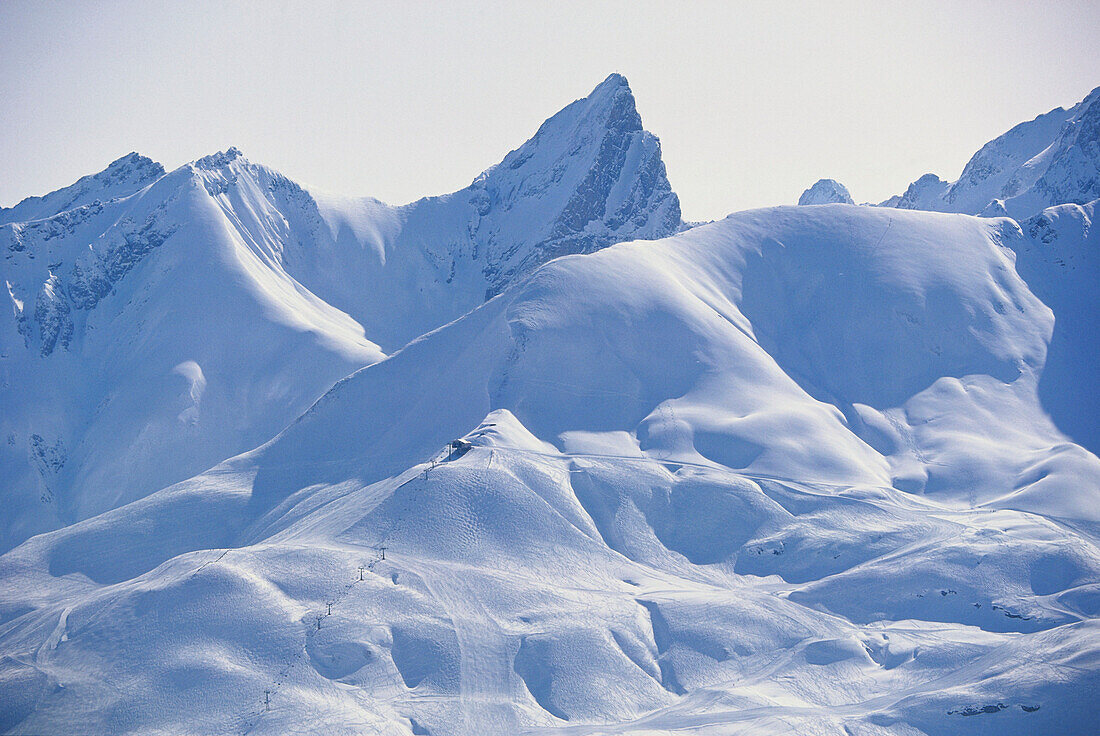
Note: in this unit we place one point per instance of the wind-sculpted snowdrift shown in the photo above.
(784, 473)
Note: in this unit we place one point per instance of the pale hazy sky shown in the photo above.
(753, 102)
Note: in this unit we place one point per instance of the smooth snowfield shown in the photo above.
(785, 473)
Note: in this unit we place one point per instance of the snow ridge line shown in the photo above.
(685, 463)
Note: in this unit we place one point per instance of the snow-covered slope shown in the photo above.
(143, 342)
(161, 323)
(1051, 160)
(826, 191)
(784, 473)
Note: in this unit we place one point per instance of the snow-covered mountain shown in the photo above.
(591, 176)
(160, 323)
(144, 341)
(1051, 160)
(783, 473)
(826, 191)
(802, 470)
(122, 178)
(1046, 174)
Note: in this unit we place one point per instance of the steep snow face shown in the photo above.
(1051, 160)
(923, 297)
(659, 519)
(122, 178)
(1046, 174)
(826, 191)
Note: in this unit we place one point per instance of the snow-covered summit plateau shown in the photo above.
(582, 470)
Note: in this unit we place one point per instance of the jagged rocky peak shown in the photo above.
(579, 155)
(608, 112)
(220, 159)
(121, 178)
(133, 167)
(1073, 174)
(219, 170)
(992, 172)
(267, 190)
(591, 176)
(826, 191)
(66, 250)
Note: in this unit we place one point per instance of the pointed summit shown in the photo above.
(591, 176)
(614, 97)
(614, 79)
(826, 191)
(121, 178)
(610, 106)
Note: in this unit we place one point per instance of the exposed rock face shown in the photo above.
(994, 172)
(1073, 176)
(51, 315)
(826, 191)
(82, 262)
(590, 177)
(595, 155)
